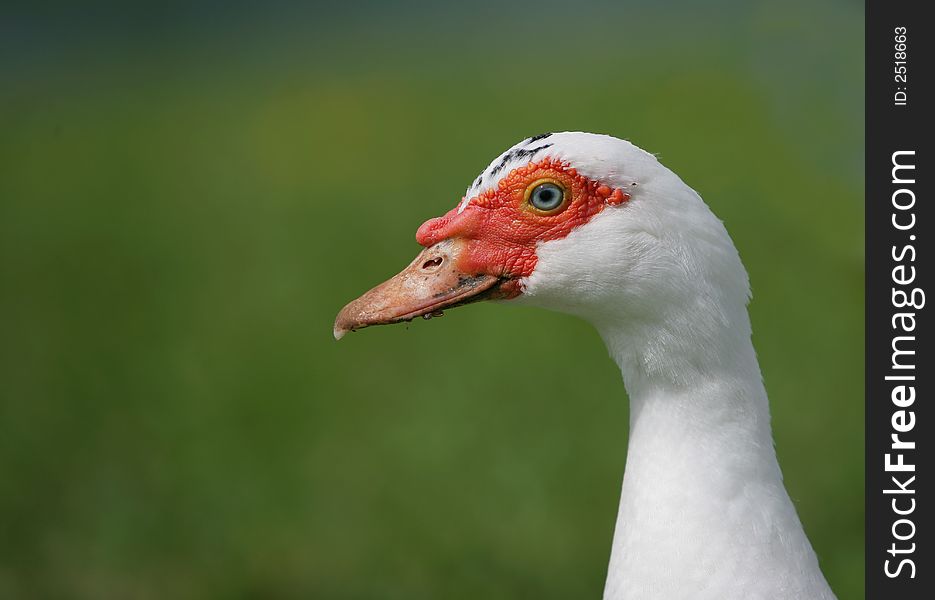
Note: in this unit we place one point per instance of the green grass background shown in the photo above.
(189, 194)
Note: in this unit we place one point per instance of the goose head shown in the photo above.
(581, 223)
(593, 226)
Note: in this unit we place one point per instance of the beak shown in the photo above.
(429, 284)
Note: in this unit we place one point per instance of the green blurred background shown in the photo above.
(190, 192)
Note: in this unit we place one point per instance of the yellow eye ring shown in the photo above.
(545, 197)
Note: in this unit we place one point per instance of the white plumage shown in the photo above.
(703, 511)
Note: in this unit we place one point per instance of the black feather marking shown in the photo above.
(534, 150)
(515, 155)
(536, 138)
(524, 153)
(506, 158)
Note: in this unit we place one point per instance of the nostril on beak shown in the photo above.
(432, 264)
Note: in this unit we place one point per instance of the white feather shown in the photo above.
(703, 511)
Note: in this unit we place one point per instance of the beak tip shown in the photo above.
(342, 325)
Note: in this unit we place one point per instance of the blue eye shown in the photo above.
(547, 197)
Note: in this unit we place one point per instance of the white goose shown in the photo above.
(593, 226)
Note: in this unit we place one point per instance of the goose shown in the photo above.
(593, 226)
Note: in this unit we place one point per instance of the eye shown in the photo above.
(547, 197)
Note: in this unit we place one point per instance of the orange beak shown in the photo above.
(430, 283)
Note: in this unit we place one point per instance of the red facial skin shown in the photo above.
(502, 229)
